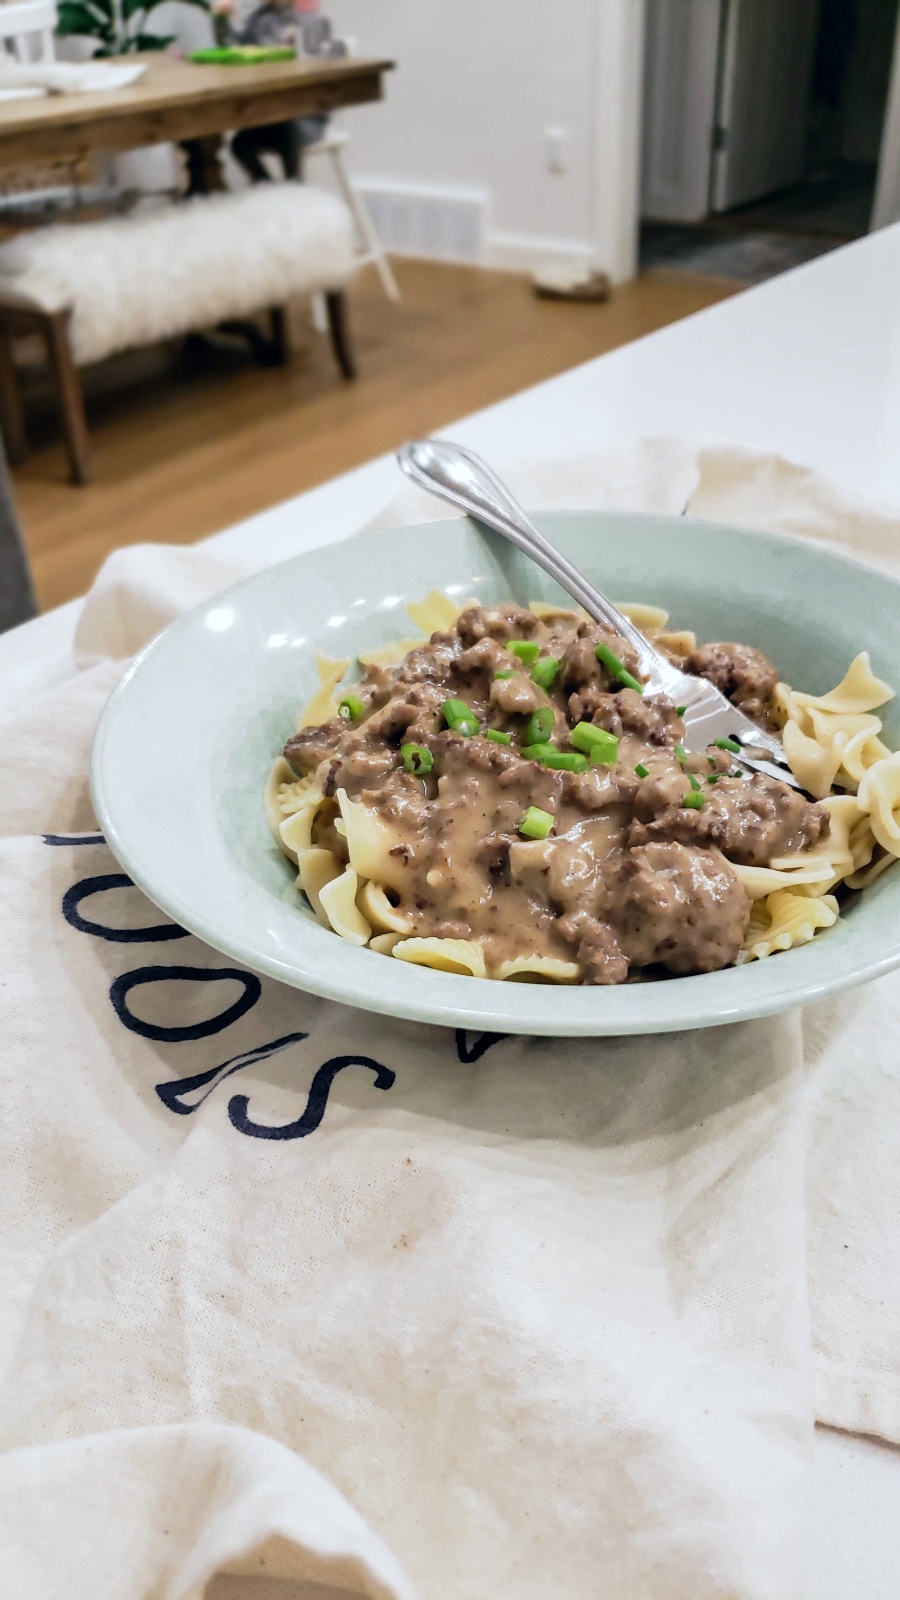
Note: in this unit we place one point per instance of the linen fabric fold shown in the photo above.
(288, 1288)
(536, 1310)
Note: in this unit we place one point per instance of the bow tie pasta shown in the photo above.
(501, 798)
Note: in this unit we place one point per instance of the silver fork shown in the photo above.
(455, 474)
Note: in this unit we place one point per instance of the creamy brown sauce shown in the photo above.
(630, 881)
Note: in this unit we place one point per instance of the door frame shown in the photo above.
(886, 204)
(618, 85)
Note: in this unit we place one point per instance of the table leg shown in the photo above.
(281, 334)
(205, 174)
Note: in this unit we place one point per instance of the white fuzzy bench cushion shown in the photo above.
(134, 280)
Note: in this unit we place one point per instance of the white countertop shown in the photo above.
(807, 365)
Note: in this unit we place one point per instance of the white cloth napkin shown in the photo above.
(292, 1289)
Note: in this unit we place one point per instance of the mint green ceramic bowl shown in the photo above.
(186, 740)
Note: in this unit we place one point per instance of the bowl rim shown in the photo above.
(421, 994)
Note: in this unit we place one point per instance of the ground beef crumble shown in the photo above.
(630, 880)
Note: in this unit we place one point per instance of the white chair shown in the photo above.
(27, 28)
(27, 34)
(333, 144)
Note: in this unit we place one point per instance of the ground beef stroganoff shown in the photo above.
(507, 802)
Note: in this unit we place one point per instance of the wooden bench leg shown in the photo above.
(279, 322)
(71, 397)
(339, 327)
(12, 420)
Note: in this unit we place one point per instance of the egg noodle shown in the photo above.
(832, 744)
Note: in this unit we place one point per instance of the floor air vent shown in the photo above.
(447, 224)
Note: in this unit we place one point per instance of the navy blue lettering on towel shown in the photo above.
(473, 1052)
(173, 1095)
(185, 1095)
(73, 838)
(101, 930)
(316, 1101)
(123, 985)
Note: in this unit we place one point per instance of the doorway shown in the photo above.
(763, 122)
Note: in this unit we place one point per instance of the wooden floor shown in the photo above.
(186, 444)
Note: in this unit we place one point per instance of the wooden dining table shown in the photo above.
(182, 102)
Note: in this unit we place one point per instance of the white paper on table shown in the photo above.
(19, 80)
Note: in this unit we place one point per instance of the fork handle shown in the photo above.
(465, 480)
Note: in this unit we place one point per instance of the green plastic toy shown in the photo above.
(243, 55)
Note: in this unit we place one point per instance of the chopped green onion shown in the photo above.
(694, 800)
(714, 777)
(526, 650)
(535, 823)
(680, 710)
(416, 759)
(728, 744)
(351, 708)
(693, 782)
(681, 753)
(595, 742)
(545, 672)
(558, 760)
(498, 737)
(454, 709)
(509, 673)
(565, 761)
(540, 725)
(617, 668)
(460, 718)
(641, 770)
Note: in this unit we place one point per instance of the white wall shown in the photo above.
(477, 84)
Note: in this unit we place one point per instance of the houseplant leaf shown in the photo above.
(77, 17)
(151, 41)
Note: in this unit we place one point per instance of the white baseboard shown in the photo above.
(508, 252)
(449, 222)
(523, 252)
(62, 196)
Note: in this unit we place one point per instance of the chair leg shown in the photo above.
(205, 175)
(12, 420)
(69, 391)
(364, 225)
(339, 328)
(318, 314)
